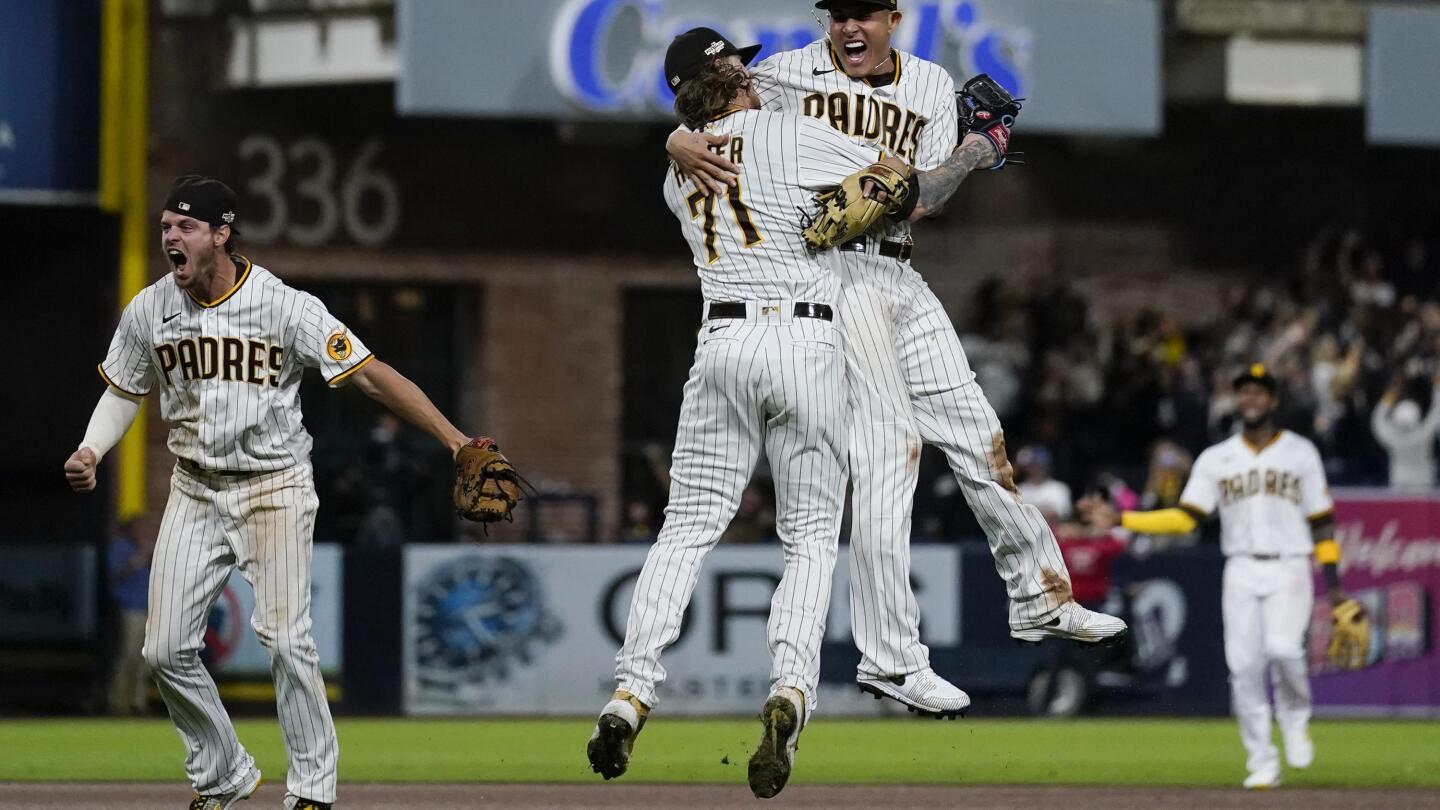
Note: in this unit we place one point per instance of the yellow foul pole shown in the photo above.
(124, 135)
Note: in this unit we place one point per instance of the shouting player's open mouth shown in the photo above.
(855, 52)
(176, 258)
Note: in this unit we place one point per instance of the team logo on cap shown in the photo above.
(338, 346)
(183, 206)
(715, 47)
(228, 216)
(674, 81)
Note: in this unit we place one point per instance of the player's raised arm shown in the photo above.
(938, 185)
(1197, 503)
(707, 169)
(395, 391)
(113, 415)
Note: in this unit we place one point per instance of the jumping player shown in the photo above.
(751, 383)
(224, 343)
(1275, 512)
(908, 377)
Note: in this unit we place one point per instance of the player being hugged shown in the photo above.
(908, 379)
(1275, 512)
(224, 343)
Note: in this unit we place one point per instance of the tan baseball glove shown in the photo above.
(1349, 635)
(850, 209)
(487, 487)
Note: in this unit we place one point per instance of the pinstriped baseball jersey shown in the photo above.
(1265, 495)
(907, 375)
(913, 117)
(228, 372)
(747, 245)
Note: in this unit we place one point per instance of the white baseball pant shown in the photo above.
(910, 382)
(264, 524)
(773, 381)
(1266, 606)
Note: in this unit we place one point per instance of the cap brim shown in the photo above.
(748, 52)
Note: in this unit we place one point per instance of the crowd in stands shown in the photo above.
(1120, 409)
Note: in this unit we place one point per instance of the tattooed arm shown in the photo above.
(939, 184)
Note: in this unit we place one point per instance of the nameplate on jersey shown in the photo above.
(1272, 483)
(868, 118)
(229, 359)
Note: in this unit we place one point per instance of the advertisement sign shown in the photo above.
(47, 593)
(1083, 65)
(1401, 64)
(1390, 560)
(534, 630)
(49, 101)
(231, 647)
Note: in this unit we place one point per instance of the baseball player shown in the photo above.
(767, 371)
(908, 377)
(1275, 512)
(224, 343)
(767, 375)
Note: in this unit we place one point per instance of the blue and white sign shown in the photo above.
(49, 101)
(525, 630)
(1084, 65)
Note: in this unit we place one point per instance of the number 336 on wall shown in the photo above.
(302, 177)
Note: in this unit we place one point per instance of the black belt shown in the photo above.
(191, 467)
(1263, 556)
(736, 309)
(889, 248)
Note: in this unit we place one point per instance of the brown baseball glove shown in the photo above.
(1349, 635)
(487, 487)
(860, 200)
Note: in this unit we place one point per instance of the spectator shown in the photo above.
(1089, 549)
(1410, 440)
(1050, 496)
(128, 565)
(639, 523)
(755, 519)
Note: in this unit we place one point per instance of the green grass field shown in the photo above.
(833, 751)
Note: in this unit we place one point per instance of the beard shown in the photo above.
(1257, 422)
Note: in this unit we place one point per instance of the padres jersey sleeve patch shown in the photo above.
(128, 366)
(327, 344)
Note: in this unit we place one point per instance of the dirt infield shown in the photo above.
(653, 797)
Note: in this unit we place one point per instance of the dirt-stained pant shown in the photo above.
(909, 382)
(263, 524)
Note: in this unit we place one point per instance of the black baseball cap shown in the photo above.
(691, 50)
(888, 5)
(203, 198)
(1256, 373)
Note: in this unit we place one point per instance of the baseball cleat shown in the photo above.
(1299, 750)
(297, 803)
(922, 692)
(220, 802)
(770, 765)
(1074, 623)
(1263, 780)
(614, 736)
